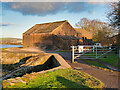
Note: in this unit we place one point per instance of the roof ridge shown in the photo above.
(60, 25)
(53, 22)
(52, 25)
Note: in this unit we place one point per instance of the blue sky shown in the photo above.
(18, 17)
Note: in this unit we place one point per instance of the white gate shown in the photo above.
(90, 51)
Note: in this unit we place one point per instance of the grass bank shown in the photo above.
(63, 78)
(110, 58)
(95, 63)
(12, 41)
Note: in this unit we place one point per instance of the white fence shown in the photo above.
(93, 51)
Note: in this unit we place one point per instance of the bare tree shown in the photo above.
(114, 18)
(100, 30)
(114, 15)
(83, 24)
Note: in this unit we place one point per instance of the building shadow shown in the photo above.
(10, 67)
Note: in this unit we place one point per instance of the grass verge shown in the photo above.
(63, 78)
(110, 58)
(95, 63)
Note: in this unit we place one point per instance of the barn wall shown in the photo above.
(47, 41)
(27, 41)
(65, 30)
(41, 40)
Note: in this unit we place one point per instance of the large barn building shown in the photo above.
(55, 35)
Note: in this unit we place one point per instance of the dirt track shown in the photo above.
(108, 78)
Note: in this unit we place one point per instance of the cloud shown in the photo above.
(43, 8)
(6, 24)
(59, 0)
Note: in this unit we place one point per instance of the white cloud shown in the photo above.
(43, 8)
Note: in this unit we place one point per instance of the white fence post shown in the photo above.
(93, 48)
(119, 53)
(96, 51)
(72, 54)
(109, 47)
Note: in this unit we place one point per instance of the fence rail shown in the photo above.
(93, 51)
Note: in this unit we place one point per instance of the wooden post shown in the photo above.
(72, 54)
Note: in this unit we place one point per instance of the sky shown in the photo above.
(18, 17)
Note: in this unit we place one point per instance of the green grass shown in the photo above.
(111, 58)
(10, 41)
(3, 49)
(63, 78)
(10, 38)
(95, 63)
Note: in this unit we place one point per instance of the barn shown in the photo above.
(54, 35)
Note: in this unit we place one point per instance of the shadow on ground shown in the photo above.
(69, 84)
(10, 67)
